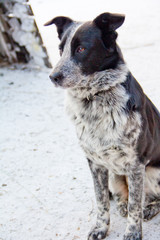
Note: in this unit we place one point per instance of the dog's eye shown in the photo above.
(80, 49)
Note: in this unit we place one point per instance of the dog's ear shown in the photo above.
(62, 23)
(109, 21)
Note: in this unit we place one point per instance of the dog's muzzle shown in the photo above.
(56, 78)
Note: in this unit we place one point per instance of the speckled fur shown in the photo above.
(103, 128)
(109, 133)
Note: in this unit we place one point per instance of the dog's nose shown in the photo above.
(56, 77)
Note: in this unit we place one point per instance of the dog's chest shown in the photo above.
(107, 133)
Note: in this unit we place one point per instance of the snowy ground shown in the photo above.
(46, 190)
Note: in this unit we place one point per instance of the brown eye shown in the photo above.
(80, 49)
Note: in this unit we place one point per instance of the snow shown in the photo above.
(46, 189)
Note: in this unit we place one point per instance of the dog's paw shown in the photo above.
(97, 233)
(133, 236)
(123, 208)
(149, 212)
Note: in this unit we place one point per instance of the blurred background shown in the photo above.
(46, 190)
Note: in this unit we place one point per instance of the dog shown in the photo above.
(118, 127)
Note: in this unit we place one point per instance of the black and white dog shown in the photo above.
(117, 125)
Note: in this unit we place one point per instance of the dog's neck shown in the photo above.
(101, 82)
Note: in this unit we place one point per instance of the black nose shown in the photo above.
(56, 77)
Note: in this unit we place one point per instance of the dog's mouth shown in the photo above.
(57, 84)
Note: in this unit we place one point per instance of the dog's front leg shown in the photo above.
(100, 179)
(134, 224)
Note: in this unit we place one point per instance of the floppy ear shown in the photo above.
(62, 23)
(109, 21)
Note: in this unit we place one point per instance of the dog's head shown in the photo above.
(87, 50)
